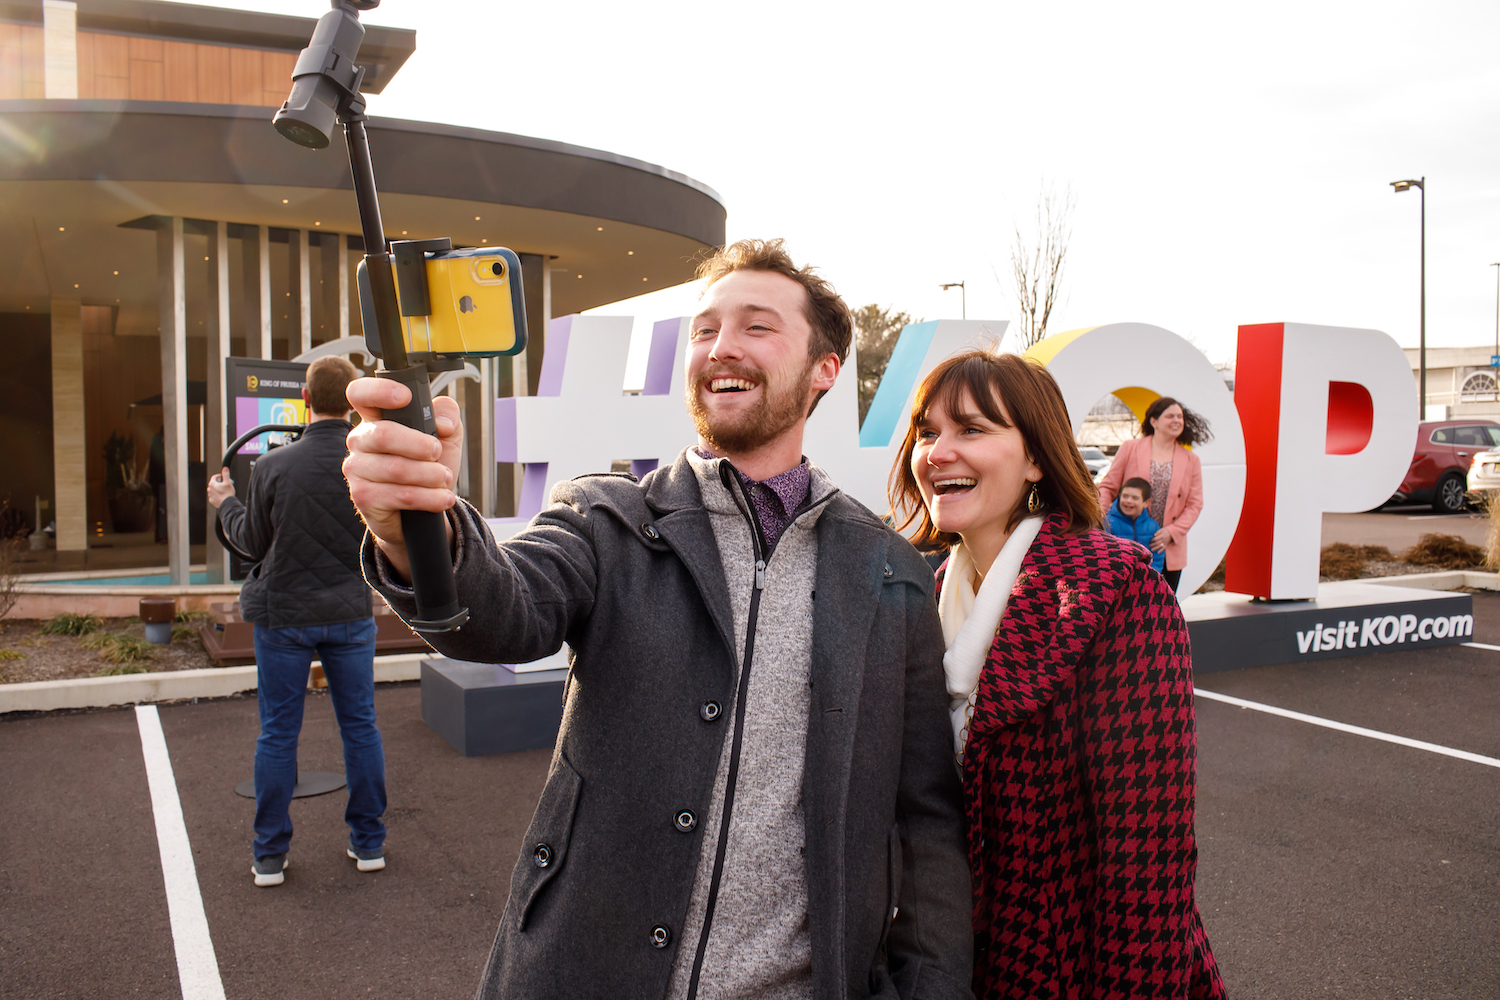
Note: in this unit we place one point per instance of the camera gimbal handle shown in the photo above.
(325, 88)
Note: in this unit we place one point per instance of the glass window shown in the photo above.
(1470, 437)
(1443, 435)
(1492, 434)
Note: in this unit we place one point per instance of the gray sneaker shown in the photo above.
(268, 870)
(367, 861)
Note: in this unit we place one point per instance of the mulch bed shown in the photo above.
(59, 657)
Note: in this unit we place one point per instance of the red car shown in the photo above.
(1439, 470)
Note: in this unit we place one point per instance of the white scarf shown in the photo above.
(970, 620)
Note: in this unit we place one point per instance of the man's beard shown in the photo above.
(776, 412)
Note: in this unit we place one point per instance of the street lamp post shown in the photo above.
(1420, 185)
(963, 293)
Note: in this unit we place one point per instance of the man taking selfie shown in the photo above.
(753, 791)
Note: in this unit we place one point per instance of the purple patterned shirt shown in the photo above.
(775, 499)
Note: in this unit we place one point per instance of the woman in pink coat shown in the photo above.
(1161, 457)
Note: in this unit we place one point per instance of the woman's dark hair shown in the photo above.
(1000, 384)
(1195, 429)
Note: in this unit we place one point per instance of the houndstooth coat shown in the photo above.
(1079, 780)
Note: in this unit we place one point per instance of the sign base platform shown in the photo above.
(1349, 618)
(486, 708)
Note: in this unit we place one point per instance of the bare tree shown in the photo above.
(876, 331)
(1037, 267)
(10, 574)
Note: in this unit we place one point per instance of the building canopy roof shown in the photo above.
(72, 173)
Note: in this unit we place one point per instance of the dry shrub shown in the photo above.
(1445, 552)
(120, 647)
(68, 623)
(1342, 561)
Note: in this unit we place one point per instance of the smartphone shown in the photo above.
(476, 306)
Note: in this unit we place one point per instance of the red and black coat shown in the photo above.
(1079, 781)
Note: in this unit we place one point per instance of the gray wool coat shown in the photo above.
(630, 576)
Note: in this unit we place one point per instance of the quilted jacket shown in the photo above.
(1079, 781)
(298, 519)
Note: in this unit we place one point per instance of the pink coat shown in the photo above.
(1184, 495)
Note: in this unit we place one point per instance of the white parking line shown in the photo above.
(1434, 517)
(1344, 727)
(1481, 645)
(197, 966)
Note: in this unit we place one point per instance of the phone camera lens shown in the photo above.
(498, 268)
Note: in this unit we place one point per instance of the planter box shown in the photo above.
(131, 512)
(230, 640)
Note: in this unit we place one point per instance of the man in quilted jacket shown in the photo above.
(307, 599)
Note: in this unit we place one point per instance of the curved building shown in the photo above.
(153, 223)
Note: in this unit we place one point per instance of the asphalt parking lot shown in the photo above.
(1331, 864)
(1399, 528)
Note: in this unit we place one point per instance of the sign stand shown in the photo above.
(309, 783)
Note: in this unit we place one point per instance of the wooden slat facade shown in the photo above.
(124, 67)
(21, 73)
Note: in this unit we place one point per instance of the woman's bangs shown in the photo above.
(952, 385)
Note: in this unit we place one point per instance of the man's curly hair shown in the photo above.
(830, 319)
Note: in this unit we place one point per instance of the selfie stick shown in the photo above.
(325, 89)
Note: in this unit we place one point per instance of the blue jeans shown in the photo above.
(283, 657)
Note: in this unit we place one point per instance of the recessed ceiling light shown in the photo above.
(484, 241)
(599, 229)
(117, 272)
(283, 201)
(403, 232)
(75, 284)
(317, 223)
(630, 253)
(28, 307)
(476, 218)
(62, 229)
(645, 279)
(205, 257)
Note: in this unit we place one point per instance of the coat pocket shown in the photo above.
(545, 849)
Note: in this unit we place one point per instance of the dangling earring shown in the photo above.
(1033, 500)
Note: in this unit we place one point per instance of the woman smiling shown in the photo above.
(1070, 689)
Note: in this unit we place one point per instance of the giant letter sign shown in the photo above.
(1328, 427)
(1321, 420)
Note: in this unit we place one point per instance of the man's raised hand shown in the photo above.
(391, 467)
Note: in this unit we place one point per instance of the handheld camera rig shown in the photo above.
(457, 303)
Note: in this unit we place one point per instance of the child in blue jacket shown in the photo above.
(1128, 518)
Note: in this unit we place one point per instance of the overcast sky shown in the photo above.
(1229, 165)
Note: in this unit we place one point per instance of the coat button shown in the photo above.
(888, 571)
(542, 855)
(686, 821)
(709, 711)
(649, 530)
(661, 936)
